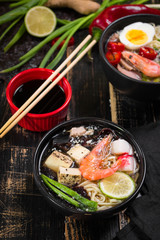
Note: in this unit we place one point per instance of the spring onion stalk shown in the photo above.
(9, 28)
(19, 3)
(139, 2)
(62, 21)
(53, 48)
(60, 54)
(42, 2)
(17, 65)
(61, 194)
(8, 1)
(16, 37)
(84, 203)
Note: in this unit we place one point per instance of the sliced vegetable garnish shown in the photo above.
(117, 186)
(113, 57)
(40, 21)
(69, 195)
(115, 46)
(148, 52)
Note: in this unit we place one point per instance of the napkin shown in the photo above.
(144, 212)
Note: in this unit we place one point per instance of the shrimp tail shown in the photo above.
(144, 65)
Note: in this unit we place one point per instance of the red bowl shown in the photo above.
(39, 122)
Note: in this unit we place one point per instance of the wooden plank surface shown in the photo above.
(24, 213)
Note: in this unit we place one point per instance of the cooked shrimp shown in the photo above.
(146, 66)
(90, 165)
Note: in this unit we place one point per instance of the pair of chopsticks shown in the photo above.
(41, 91)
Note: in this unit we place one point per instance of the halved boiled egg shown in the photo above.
(137, 35)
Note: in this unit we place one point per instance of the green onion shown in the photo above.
(52, 49)
(60, 54)
(16, 66)
(9, 28)
(42, 2)
(61, 194)
(63, 21)
(139, 2)
(84, 203)
(12, 5)
(16, 37)
(9, 0)
(17, 12)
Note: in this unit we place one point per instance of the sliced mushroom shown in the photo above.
(126, 65)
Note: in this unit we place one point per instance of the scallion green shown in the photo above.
(84, 203)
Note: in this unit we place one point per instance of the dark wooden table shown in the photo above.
(24, 213)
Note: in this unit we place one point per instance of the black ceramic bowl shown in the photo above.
(55, 133)
(133, 88)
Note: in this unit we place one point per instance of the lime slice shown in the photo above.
(40, 21)
(118, 186)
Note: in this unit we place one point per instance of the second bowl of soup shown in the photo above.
(130, 52)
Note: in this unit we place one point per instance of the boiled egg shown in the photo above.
(137, 35)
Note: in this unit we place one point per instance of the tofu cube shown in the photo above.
(58, 159)
(69, 176)
(121, 146)
(77, 152)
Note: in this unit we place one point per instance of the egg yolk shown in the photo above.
(136, 37)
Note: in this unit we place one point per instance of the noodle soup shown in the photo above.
(135, 51)
(78, 158)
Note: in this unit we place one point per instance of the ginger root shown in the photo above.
(82, 6)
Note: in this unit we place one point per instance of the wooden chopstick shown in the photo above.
(27, 109)
(156, 6)
(44, 85)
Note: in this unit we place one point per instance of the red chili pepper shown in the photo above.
(115, 46)
(113, 57)
(115, 12)
(148, 52)
(71, 42)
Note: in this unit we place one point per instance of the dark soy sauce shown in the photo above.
(52, 101)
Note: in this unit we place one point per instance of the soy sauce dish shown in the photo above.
(135, 71)
(79, 162)
(50, 110)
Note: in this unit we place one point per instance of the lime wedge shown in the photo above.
(40, 21)
(117, 186)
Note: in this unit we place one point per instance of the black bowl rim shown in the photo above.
(108, 212)
(103, 54)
